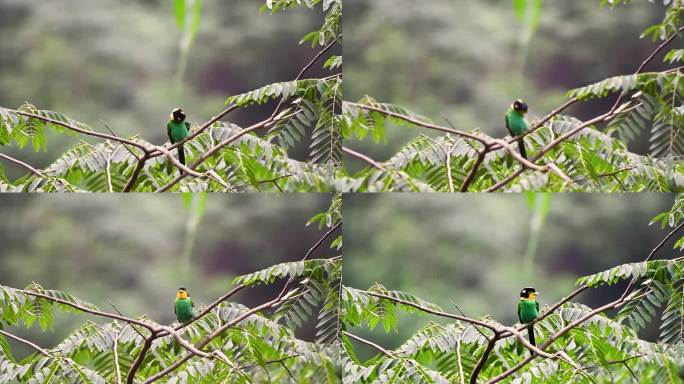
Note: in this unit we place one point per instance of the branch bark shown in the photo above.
(21, 163)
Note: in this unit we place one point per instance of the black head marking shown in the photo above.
(178, 114)
(525, 292)
(520, 106)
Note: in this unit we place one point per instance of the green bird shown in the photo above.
(178, 129)
(183, 306)
(528, 310)
(516, 123)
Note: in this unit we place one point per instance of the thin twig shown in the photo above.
(117, 367)
(121, 314)
(365, 158)
(369, 343)
(652, 253)
(301, 74)
(647, 61)
(108, 170)
(42, 351)
(447, 161)
(461, 374)
(21, 163)
(124, 144)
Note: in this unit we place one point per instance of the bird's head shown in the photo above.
(182, 293)
(178, 115)
(520, 106)
(528, 293)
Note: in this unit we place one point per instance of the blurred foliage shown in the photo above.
(465, 255)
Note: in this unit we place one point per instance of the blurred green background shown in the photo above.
(114, 62)
(468, 60)
(470, 249)
(131, 250)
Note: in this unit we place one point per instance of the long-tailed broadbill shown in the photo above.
(528, 310)
(178, 129)
(183, 306)
(516, 123)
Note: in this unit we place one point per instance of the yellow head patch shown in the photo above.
(181, 294)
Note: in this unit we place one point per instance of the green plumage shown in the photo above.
(515, 122)
(517, 125)
(184, 309)
(528, 310)
(177, 129)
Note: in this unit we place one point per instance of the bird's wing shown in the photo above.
(537, 303)
(174, 309)
(519, 314)
(187, 125)
(168, 131)
(508, 126)
(192, 303)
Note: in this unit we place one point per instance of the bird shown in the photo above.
(183, 306)
(516, 123)
(178, 129)
(528, 310)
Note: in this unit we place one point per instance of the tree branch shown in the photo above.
(129, 320)
(42, 351)
(473, 171)
(139, 359)
(465, 319)
(81, 130)
(136, 173)
(364, 158)
(369, 343)
(483, 140)
(216, 148)
(483, 358)
(21, 163)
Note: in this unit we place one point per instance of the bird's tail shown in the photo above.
(530, 335)
(521, 145)
(181, 159)
(181, 154)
